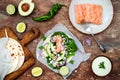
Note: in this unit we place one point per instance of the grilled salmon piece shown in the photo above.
(58, 43)
(90, 13)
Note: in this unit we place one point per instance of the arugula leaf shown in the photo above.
(101, 65)
(43, 37)
(71, 46)
(70, 54)
(41, 47)
(71, 62)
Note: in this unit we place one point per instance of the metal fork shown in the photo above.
(88, 29)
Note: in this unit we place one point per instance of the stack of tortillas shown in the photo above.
(11, 56)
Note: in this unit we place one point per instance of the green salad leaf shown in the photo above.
(71, 62)
(43, 37)
(71, 45)
(41, 47)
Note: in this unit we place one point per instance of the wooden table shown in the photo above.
(110, 38)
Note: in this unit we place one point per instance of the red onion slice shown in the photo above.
(88, 41)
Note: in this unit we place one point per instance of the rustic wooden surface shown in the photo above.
(110, 38)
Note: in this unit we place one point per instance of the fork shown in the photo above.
(88, 29)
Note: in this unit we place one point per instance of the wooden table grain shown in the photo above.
(110, 38)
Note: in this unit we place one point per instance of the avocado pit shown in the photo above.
(25, 7)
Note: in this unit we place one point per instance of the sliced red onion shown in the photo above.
(56, 57)
(53, 39)
(42, 54)
(63, 63)
(63, 47)
(88, 41)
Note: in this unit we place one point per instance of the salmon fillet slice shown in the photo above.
(90, 13)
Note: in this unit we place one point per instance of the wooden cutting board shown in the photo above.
(29, 59)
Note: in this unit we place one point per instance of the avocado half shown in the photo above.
(25, 7)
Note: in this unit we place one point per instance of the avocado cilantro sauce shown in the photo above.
(58, 49)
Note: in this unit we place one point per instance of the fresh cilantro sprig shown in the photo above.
(71, 62)
(101, 65)
(43, 37)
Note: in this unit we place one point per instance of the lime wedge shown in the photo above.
(10, 9)
(21, 27)
(64, 70)
(37, 71)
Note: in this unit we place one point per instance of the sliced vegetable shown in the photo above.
(64, 70)
(25, 7)
(37, 71)
(88, 41)
(21, 27)
(10, 9)
(53, 11)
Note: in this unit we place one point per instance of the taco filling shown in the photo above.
(58, 49)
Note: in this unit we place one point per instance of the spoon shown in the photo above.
(89, 30)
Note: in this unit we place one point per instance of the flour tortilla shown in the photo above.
(17, 54)
(11, 56)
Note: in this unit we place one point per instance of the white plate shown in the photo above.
(107, 15)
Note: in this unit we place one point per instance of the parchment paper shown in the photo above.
(79, 57)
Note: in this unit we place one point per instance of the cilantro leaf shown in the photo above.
(41, 47)
(43, 37)
(101, 65)
(71, 62)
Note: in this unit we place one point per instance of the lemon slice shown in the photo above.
(37, 71)
(10, 9)
(21, 27)
(64, 70)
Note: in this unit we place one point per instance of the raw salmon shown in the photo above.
(90, 13)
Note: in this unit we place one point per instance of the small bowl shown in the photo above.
(101, 66)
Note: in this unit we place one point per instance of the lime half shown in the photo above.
(10, 9)
(21, 27)
(64, 70)
(37, 71)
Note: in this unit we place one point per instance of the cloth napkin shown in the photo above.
(5, 58)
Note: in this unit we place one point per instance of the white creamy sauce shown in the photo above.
(100, 71)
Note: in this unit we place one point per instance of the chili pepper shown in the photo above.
(53, 11)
